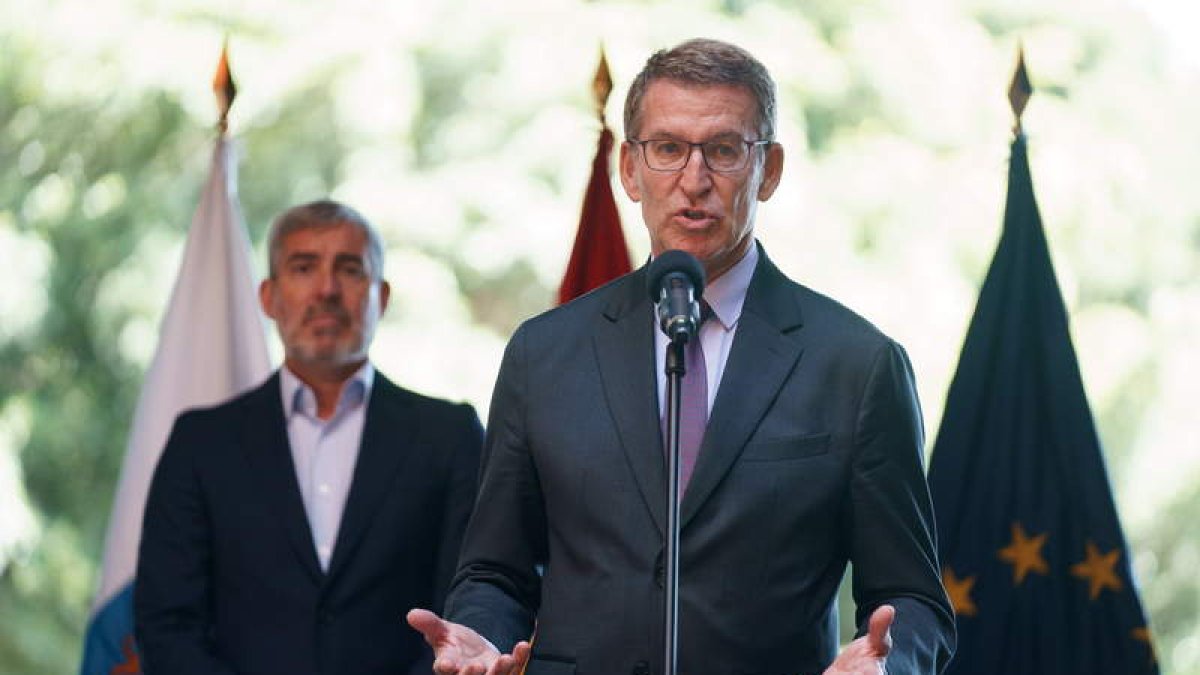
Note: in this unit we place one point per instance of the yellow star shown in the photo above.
(959, 591)
(1099, 570)
(1024, 554)
(1142, 634)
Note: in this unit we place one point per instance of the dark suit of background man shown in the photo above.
(288, 530)
(811, 456)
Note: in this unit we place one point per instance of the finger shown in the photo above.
(451, 666)
(521, 654)
(879, 630)
(428, 624)
(505, 665)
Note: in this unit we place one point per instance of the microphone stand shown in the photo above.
(675, 371)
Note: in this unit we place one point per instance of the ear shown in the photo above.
(385, 294)
(266, 292)
(772, 172)
(628, 170)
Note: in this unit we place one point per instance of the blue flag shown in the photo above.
(1032, 552)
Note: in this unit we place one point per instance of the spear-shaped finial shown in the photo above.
(224, 88)
(601, 85)
(1020, 90)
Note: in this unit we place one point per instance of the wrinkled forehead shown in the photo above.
(697, 111)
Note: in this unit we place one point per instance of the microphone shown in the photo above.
(675, 281)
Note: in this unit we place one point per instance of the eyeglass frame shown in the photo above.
(750, 145)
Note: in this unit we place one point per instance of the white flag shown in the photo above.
(211, 346)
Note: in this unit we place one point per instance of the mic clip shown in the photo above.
(678, 309)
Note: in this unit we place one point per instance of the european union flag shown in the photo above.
(1032, 552)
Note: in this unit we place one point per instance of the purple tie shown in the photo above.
(693, 405)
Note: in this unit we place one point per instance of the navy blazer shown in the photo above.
(228, 579)
(812, 459)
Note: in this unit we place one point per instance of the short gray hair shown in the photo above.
(321, 214)
(704, 62)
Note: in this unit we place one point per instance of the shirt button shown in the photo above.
(323, 488)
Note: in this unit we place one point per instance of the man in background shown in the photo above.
(287, 530)
(807, 455)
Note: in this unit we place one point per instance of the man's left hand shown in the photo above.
(868, 654)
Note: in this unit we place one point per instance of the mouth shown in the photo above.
(695, 217)
(325, 320)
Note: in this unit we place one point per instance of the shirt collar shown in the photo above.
(727, 293)
(298, 397)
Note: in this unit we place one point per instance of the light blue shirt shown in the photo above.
(324, 451)
(726, 295)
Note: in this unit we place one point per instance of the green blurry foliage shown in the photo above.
(78, 386)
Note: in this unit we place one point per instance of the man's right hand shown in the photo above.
(458, 650)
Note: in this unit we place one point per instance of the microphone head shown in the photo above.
(674, 262)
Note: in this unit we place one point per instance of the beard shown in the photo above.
(336, 340)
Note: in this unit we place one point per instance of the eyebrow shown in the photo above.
(721, 136)
(300, 256)
(341, 258)
(306, 256)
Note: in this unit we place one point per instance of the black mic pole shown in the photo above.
(675, 282)
(675, 372)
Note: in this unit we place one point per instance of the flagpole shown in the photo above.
(1019, 92)
(224, 88)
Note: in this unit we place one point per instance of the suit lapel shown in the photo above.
(624, 345)
(762, 357)
(264, 432)
(380, 455)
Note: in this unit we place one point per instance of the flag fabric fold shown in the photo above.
(1032, 551)
(600, 254)
(211, 345)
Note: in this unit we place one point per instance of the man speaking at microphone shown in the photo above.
(801, 442)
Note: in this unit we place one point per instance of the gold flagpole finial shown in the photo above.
(1019, 90)
(601, 85)
(224, 88)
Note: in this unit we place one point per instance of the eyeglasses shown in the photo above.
(723, 155)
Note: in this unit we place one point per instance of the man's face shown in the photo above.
(707, 214)
(322, 297)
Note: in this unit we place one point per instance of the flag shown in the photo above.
(211, 346)
(600, 254)
(1033, 556)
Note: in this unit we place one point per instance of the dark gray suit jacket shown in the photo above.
(228, 579)
(812, 458)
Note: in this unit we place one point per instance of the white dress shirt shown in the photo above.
(324, 451)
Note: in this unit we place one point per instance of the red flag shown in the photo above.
(600, 254)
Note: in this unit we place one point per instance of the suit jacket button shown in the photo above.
(659, 575)
(641, 668)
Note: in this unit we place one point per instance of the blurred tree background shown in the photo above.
(464, 129)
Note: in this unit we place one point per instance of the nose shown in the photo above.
(328, 284)
(695, 177)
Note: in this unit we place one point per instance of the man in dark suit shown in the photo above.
(287, 530)
(811, 456)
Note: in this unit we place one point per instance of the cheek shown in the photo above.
(365, 310)
(744, 199)
(289, 315)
